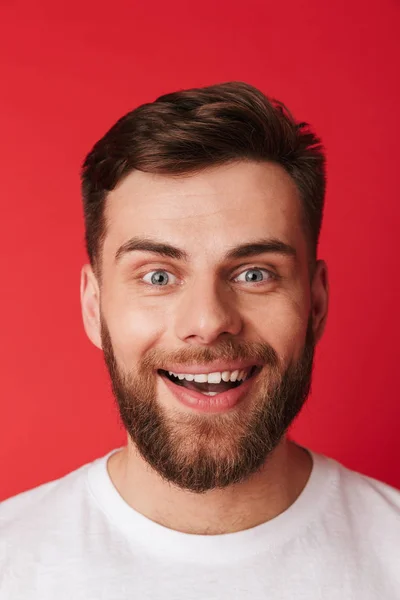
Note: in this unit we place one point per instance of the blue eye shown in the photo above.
(254, 275)
(159, 278)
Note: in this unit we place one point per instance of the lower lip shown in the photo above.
(209, 404)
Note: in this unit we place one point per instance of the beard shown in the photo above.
(199, 452)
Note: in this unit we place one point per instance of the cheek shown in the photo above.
(134, 328)
(282, 322)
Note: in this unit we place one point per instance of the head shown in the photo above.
(203, 212)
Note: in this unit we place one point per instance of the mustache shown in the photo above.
(256, 352)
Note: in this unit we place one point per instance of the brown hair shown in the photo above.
(186, 131)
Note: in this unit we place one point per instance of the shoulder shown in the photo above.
(46, 508)
(357, 528)
(369, 494)
(362, 505)
(44, 528)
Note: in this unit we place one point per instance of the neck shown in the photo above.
(260, 498)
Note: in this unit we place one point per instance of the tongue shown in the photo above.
(208, 387)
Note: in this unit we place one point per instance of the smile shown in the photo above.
(211, 384)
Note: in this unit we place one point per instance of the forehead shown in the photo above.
(207, 211)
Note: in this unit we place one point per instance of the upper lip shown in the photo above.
(215, 367)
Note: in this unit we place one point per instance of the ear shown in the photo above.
(90, 303)
(319, 299)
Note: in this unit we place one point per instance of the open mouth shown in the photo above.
(211, 384)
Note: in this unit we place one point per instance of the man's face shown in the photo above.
(204, 309)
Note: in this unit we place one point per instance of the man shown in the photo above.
(203, 211)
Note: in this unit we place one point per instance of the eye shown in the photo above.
(255, 275)
(159, 278)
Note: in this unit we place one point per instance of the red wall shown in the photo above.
(68, 71)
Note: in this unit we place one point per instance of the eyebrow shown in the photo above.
(254, 248)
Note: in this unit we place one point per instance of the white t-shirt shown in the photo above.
(76, 539)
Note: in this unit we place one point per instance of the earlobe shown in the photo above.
(320, 299)
(90, 304)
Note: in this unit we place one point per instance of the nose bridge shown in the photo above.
(205, 311)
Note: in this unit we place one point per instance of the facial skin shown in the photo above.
(206, 311)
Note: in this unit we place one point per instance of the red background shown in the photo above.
(67, 73)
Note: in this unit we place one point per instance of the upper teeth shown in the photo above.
(213, 377)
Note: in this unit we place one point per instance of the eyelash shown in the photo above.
(273, 276)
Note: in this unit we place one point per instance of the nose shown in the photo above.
(205, 312)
